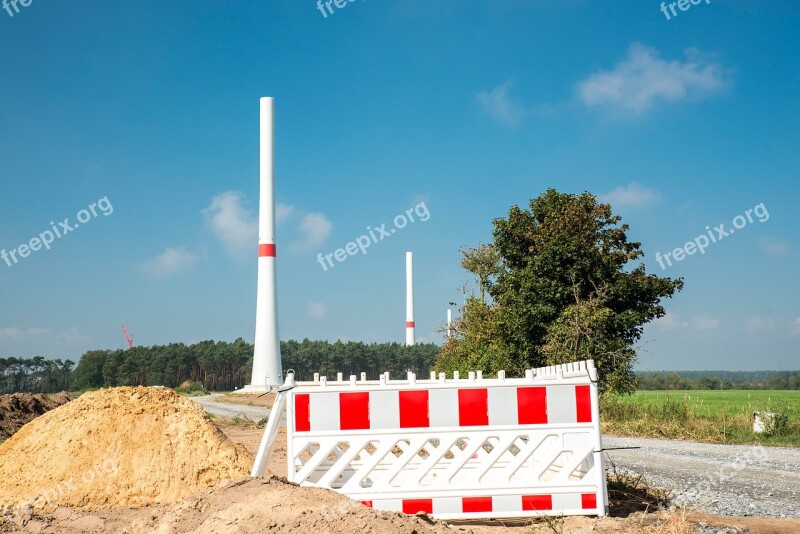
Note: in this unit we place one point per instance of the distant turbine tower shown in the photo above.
(449, 323)
(267, 369)
(409, 298)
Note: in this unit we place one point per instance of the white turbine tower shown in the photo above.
(409, 298)
(267, 369)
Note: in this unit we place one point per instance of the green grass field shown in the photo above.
(711, 416)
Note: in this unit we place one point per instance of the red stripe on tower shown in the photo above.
(583, 404)
(414, 409)
(532, 406)
(409, 324)
(354, 411)
(268, 251)
(302, 412)
(473, 407)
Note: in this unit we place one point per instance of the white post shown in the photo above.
(449, 323)
(409, 298)
(267, 369)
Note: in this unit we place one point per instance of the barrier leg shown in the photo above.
(261, 464)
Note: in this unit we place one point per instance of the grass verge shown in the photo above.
(705, 416)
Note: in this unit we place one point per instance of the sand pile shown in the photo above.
(19, 409)
(117, 447)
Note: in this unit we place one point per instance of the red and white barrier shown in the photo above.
(453, 448)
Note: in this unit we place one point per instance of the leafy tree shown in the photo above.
(557, 286)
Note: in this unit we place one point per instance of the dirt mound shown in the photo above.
(19, 409)
(250, 505)
(117, 447)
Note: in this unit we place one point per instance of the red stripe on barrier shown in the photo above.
(476, 504)
(537, 502)
(414, 409)
(532, 406)
(409, 324)
(473, 407)
(588, 501)
(302, 419)
(583, 404)
(412, 506)
(368, 504)
(267, 251)
(354, 411)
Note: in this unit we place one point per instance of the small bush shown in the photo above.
(192, 389)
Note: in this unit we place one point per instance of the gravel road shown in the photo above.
(225, 409)
(724, 480)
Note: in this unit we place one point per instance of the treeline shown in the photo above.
(223, 366)
(719, 380)
(35, 375)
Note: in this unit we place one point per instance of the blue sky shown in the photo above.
(469, 107)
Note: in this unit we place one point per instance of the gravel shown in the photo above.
(723, 480)
(225, 409)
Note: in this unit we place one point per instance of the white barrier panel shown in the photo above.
(455, 449)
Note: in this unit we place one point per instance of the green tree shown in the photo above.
(559, 286)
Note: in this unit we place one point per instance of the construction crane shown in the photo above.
(128, 338)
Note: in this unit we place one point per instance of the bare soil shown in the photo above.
(19, 409)
(117, 447)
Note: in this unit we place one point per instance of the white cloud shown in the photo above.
(317, 310)
(283, 211)
(756, 323)
(72, 335)
(774, 246)
(69, 335)
(11, 332)
(640, 79)
(796, 327)
(499, 105)
(702, 324)
(315, 228)
(631, 196)
(668, 322)
(35, 332)
(234, 225)
(169, 262)
(671, 321)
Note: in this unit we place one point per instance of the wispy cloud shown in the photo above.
(672, 321)
(317, 310)
(702, 324)
(234, 225)
(499, 105)
(315, 229)
(756, 323)
(774, 246)
(631, 196)
(169, 262)
(642, 78)
(70, 335)
(283, 211)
